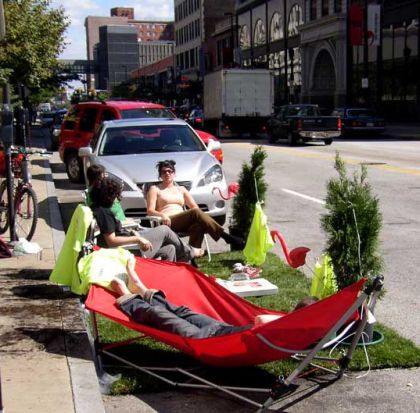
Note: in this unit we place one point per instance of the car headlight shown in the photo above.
(56, 132)
(124, 185)
(214, 174)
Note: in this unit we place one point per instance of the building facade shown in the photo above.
(153, 51)
(123, 16)
(117, 55)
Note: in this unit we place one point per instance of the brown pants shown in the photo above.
(196, 223)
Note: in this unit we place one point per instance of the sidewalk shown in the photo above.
(46, 361)
(45, 356)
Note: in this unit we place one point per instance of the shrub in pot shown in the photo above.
(352, 225)
(252, 187)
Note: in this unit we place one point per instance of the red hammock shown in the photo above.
(184, 285)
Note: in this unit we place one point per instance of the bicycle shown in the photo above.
(24, 196)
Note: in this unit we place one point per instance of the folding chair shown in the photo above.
(156, 220)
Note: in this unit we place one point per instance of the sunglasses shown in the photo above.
(166, 171)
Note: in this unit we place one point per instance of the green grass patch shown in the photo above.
(393, 352)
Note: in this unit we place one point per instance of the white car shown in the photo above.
(130, 149)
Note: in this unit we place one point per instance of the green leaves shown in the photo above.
(252, 188)
(352, 224)
(34, 39)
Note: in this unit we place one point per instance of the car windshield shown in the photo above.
(149, 139)
(361, 112)
(146, 113)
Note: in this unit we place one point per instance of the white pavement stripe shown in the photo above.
(310, 198)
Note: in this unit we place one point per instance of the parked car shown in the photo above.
(195, 118)
(84, 119)
(358, 120)
(46, 118)
(55, 128)
(130, 150)
(303, 122)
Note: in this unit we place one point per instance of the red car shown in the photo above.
(84, 119)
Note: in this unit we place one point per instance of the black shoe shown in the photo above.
(236, 242)
(194, 263)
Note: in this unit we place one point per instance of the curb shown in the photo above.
(84, 382)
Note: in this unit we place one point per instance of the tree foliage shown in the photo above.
(352, 224)
(251, 180)
(34, 39)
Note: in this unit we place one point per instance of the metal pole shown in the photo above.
(286, 86)
(6, 94)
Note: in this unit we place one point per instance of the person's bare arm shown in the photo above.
(112, 241)
(133, 278)
(151, 202)
(188, 199)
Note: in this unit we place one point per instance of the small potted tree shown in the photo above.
(352, 224)
(252, 188)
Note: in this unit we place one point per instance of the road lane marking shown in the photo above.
(310, 198)
(314, 155)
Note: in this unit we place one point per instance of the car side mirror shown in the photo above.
(213, 145)
(85, 151)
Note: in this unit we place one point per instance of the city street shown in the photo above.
(297, 179)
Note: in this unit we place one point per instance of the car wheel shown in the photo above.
(291, 139)
(328, 141)
(271, 137)
(74, 167)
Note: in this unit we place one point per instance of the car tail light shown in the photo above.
(299, 124)
(339, 124)
(198, 120)
(264, 128)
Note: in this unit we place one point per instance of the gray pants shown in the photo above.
(166, 244)
(179, 320)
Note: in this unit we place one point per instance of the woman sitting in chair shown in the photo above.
(160, 242)
(168, 201)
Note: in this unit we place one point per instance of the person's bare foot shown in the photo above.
(197, 252)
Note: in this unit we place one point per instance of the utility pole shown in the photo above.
(6, 95)
(6, 136)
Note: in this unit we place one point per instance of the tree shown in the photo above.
(34, 39)
(251, 181)
(352, 224)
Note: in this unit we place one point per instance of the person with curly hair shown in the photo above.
(177, 208)
(160, 242)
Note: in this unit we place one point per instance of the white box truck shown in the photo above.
(238, 102)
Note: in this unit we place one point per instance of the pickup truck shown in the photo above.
(303, 123)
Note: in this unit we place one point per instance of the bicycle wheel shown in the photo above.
(4, 221)
(26, 213)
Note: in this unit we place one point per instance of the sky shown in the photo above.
(78, 10)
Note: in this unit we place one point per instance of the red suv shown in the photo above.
(83, 120)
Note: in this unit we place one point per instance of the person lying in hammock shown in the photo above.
(150, 307)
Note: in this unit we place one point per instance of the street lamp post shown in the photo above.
(6, 95)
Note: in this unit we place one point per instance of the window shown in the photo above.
(338, 6)
(325, 7)
(87, 121)
(312, 9)
(107, 115)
